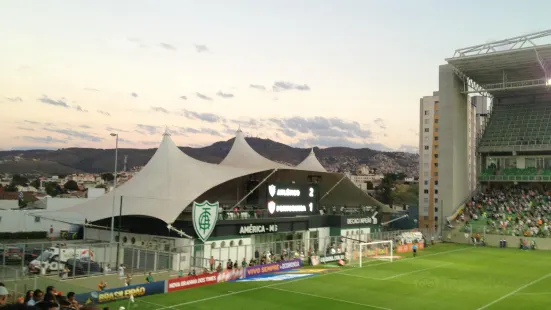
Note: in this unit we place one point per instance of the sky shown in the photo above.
(304, 72)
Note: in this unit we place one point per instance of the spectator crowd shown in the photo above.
(514, 211)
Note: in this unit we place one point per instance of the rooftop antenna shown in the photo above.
(125, 162)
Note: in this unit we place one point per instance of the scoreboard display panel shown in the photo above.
(284, 199)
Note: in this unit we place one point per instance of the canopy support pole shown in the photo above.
(178, 231)
(332, 188)
(257, 186)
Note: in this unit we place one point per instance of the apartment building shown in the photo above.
(429, 200)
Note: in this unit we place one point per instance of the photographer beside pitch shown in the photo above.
(414, 248)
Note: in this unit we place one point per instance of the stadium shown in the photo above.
(479, 265)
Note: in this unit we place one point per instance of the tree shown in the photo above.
(71, 185)
(10, 188)
(52, 189)
(19, 180)
(405, 194)
(107, 177)
(35, 183)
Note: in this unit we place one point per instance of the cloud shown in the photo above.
(380, 122)
(14, 99)
(288, 132)
(134, 95)
(408, 148)
(167, 46)
(31, 122)
(183, 131)
(25, 128)
(413, 131)
(207, 117)
(183, 97)
(283, 86)
(204, 97)
(249, 124)
(23, 68)
(59, 103)
(76, 134)
(44, 140)
(224, 95)
(211, 132)
(112, 129)
(150, 143)
(255, 86)
(148, 129)
(137, 41)
(79, 108)
(200, 48)
(91, 89)
(125, 141)
(160, 109)
(84, 126)
(104, 113)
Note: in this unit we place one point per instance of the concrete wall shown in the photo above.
(452, 141)
(9, 204)
(493, 240)
(21, 221)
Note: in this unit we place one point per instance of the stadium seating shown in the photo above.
(513, 211)
(526, 124)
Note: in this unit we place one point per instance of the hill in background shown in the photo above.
(76, 160)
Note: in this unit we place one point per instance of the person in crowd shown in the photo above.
(38, 295)
(149, 278)
(229, 264)
(244, 263)
(121, 270)
(72, 300)
(257, 256)
(211, 263)
(219, 267)
(180, 273)
(3, 296)
(102, 285)
(28, 296)
(128, 280)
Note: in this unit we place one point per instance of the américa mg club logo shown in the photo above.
(205, 216)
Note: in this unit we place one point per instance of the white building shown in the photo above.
(363, 175)
(429, 199)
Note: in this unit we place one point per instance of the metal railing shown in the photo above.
(511, 178)
(484, 230)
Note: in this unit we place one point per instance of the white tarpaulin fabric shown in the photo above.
(311, 163)
(169, 182)
(242, 155)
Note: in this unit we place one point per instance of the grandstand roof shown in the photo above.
(172, 180)
(517, 59)
(242, 155)
(311, 163)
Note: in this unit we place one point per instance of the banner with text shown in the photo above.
(273, 267)
(187, 282)
(113, 294)
(230, 275)
(332, 258)
(406, 248)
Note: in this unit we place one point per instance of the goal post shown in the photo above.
(374, 251)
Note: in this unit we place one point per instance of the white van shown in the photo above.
(53, 259)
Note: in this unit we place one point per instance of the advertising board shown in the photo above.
(230, 275)
(408, 248)
(273, 267)
(331, 258)
(113, 294)
(187, 282)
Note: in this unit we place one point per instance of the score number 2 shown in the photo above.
(311, 192)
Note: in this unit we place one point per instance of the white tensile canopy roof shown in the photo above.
(169, 182)
(242, 155)
(311, 163)
(172, 180)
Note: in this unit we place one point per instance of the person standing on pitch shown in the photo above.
(414, 247)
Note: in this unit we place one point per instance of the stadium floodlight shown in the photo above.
(548, 82)
(376, 250)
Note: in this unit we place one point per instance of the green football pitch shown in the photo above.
(446, 276)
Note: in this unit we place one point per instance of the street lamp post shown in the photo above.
(114, 186)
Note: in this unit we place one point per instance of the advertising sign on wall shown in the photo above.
(408, 248)
(331, 258)
(292, 198)
(273, 267)
(187, 282)
(109, 295)
(257, 229)
(230, 275)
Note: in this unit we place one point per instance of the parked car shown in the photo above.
(11, 255)
(83, 266)
(32, 254)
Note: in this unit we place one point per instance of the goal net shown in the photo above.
(367, 252)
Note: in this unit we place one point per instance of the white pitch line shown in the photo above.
(329, 298)
(414, 271)
(304, 278)
(541, 293)
(515, 291)
(357, 276)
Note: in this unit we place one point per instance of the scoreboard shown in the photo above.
(292, 199)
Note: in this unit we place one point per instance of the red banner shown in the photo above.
(407, 248)
(184, 283)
